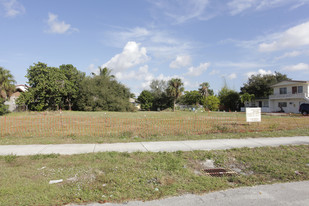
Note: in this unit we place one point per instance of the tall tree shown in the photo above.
(146, 100)
(72, 84)
(104, 72)
(204, 89)
(161, 99)
(175, 89)
(47, 88)
(6, 83)
(229, 99)
(260, 85)
(157, 87)
(100, 93)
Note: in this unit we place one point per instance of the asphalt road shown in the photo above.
(284, 194)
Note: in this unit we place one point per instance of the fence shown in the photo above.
(62, 125)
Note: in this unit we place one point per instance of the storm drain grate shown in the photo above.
(219, 172)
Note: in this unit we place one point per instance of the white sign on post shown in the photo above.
(253, 114)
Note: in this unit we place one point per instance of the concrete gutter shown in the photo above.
(166, 146)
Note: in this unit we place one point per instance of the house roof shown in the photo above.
(21, 87)
(290, 82)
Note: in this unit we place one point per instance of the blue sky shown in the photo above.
(142, 40)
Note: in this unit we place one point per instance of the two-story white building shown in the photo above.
(288, 95)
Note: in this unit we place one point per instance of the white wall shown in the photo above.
(292, 105)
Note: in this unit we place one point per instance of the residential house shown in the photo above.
(135, 104)
(288, 95)
(263, 103)
(11, 101)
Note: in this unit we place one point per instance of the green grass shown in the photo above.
(119, 177)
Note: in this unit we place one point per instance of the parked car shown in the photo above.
(304, 109)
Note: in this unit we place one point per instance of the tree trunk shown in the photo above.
(70, 105)
(174, 105)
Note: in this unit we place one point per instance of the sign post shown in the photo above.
(253, 114)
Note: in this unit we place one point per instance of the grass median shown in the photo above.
(120, 177)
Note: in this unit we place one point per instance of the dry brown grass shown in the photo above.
(140, 125)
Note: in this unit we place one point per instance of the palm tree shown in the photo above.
(6, 83)
(175, 89)
(104, 72)
(204, 89)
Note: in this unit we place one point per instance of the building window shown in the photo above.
(282, 104)
(300, 89)
(283, 90)
(294, 90)
(265, 103)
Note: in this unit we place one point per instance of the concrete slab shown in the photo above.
(206, 144)
(238, 143)
(281, 141)
(67, 149)
(120, 147)
(21, 150)
(168, 146)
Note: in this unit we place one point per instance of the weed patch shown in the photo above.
(119, 177)
(10, 158)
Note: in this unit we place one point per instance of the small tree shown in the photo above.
(211, 103)
(175, 89)
(145, 99)
(191, 97)
(246, 97)
(6, 83)
(3, 108)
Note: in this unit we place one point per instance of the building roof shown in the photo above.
(290, 82)
(21, 87)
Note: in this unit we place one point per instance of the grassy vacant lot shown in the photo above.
(119, 177)
(103, 127)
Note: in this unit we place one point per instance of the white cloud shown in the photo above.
(241, 65)
(92, 68)
(296, 36)
(141, 74)
(239, 6)
(232, 76)
(214, 72)
(260, 71)
(159, 43)
(181, 61)
(297, 67)
(58, 27)
(289, 54)
(132, 55)
(13, 8)
(182, 10)
(196, 71)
